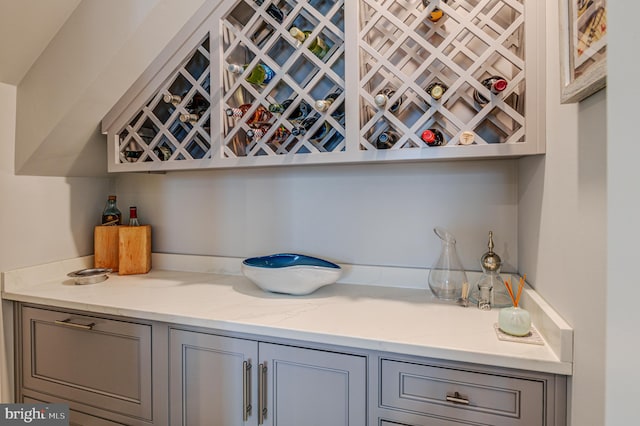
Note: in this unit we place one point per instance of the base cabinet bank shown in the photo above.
(114, 370)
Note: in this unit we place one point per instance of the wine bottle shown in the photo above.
(433, 137)
(273, 11)
(260, 75)
(436, 90)
(163, 152)
(495, 84)
(259, 118)
(196, 107)
(436, 13)
(280, 135)
(323, 105)
(467, 137)
(172, 99)
(133, 216)
(318, 46)
(306, 124)
(298, 114)
(383, 97)
(386, 139)
(111, 215)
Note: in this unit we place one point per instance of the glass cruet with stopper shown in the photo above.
(490, 290)
(447, 275)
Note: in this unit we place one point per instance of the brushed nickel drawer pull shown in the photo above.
(67, 322)
(456, 398)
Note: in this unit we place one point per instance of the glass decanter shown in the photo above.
(447, 275)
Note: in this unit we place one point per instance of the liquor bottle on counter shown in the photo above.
(196, 107)
(111, 215)
(436, 13)
(323, 105)
(260, 117)
(386, 139)
(133, 216)
(495, 84)
(318, 46)
(433, 137)
(436, 90)
(260, 75)
(299, 112)
(383, 97)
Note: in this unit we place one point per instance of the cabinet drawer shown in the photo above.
(95, 361)
(462, 395)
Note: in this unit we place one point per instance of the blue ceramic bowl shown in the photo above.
(290, 273)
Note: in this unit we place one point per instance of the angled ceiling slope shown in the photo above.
(90, 63)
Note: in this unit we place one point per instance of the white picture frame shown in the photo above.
(583, 38)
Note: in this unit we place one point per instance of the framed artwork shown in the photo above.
(583, 50)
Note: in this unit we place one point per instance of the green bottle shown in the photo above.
(260, 75)
(318, 46)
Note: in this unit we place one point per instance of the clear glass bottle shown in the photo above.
(111, 215)
(133, 216)
(490, 290)
(495, 84)
(260, 75)
(318, 46)
(447, 276)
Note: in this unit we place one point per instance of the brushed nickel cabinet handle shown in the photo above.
(262, 392)
(68, 323)
(246, 390)
(456, 398)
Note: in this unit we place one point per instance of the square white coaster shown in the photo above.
(533, 338)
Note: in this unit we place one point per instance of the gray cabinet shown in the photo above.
(211, 379)
(222, 381)
(99, 365)
(423, 392)
(115, 370)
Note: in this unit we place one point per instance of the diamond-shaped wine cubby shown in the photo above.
(278, 82)
(425, 63)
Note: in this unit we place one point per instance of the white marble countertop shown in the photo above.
(211, 292)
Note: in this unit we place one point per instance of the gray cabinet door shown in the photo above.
(209, 379)
(312, 387)
(91, 360)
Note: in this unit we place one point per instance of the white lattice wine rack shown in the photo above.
(161, 130)
(402, 50)
(251, 36)
(365, 47)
